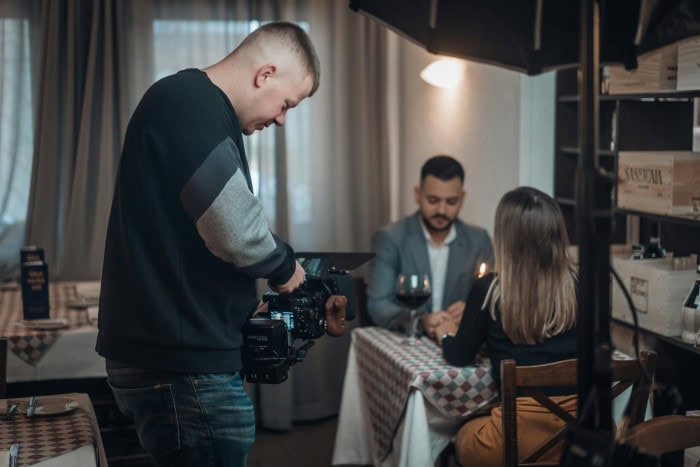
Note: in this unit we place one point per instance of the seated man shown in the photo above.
(431, 241)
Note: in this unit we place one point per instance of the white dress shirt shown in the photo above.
(438, 255)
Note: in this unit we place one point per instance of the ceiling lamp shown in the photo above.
(444, 73)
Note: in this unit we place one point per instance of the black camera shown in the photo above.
(321, 305)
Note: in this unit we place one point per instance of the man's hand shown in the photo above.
(262, 308)
(432, 320)
(446, 327)
(455, 310)
(292, 284)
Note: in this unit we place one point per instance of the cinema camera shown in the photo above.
(320, 306)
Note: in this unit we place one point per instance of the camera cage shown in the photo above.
(271, 338)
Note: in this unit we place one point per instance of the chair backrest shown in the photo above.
(361, 293)
(525, 380)
(665, 434)
(3, 366)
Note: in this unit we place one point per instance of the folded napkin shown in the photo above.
(89, 289)
(4, 457)
(92, 315)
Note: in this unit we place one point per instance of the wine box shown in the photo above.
(688, 70)
(35, 290)
(658, 182)
(655, 72)
(657, 290)
(691, 315)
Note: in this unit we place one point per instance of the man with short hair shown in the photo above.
(431, 241)
(186, 240)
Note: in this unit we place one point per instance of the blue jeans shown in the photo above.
(187, 419)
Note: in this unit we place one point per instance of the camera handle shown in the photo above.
(335, 315)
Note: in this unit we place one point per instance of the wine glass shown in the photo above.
(413, 290)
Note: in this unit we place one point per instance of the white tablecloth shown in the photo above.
(437, 399)
(420, 437)
(70, 353)
(84, 456)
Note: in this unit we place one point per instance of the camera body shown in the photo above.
(269, 338)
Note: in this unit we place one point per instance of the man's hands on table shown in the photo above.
(441, 322)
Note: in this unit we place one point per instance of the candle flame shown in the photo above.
(482, 269)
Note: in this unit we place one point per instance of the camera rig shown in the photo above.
(280, 337)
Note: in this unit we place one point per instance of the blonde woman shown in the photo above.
(525, 311)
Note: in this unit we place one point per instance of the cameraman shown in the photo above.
(186, 240)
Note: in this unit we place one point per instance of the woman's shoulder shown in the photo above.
(483, 284)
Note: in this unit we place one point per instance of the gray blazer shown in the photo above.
(401, 248)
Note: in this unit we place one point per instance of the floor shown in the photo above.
(306, 445)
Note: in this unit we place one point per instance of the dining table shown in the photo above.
(62, 432)
(62, 347)
(402, 403)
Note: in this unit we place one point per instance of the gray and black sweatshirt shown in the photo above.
(186, 236)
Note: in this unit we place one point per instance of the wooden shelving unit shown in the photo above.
(662, 121)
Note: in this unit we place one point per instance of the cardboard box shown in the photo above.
(655, 72)
(688, 69)
(657, 290)
(659, 182)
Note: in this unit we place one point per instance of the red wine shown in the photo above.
(413, 300)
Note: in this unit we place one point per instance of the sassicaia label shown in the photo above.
(644, 175)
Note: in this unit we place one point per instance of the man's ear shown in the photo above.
(416, 194)
(264, 73)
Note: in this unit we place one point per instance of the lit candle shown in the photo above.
(482, 270)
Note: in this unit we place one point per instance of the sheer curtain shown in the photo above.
(323, 178)
(18, 23)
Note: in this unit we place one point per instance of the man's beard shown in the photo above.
(432, 228)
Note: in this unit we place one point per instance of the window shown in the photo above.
(16, 138)
(180, 44)
(16, 120)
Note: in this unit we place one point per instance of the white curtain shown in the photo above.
(18, 22)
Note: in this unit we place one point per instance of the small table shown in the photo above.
(401, 404)
(38, 355)
(70, 439)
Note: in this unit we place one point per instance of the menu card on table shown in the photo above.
(35, 284)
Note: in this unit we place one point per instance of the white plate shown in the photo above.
(46, 324)
(49, 406)
(82, 303)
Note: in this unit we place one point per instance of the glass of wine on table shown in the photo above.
(413, 290)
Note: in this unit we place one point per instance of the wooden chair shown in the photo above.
(665, 434)
(361, 295)
(3, 366)
(524, 380)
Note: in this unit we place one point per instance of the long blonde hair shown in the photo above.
(534, 286)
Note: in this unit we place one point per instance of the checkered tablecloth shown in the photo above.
(28, 344)
(42, 438)
(388, 370)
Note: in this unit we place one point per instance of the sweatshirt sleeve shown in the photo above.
(461, 349)
(230, 219)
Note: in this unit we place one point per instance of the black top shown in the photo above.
(477, 327)
(186, 236)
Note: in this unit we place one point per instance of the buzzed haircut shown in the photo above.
(298, 42)
(443, 167)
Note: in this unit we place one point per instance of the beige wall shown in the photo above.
(480, 123)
